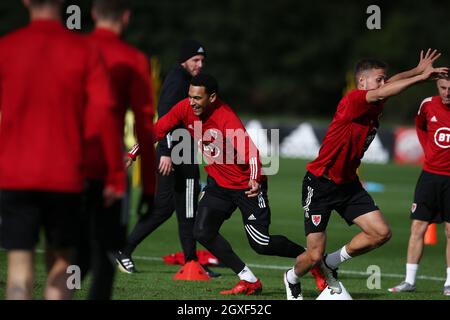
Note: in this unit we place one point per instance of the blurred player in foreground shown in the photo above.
(55, 95)
(104, 225)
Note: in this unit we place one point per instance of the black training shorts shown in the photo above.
(23, 213)
(431, 198)
(320, 196)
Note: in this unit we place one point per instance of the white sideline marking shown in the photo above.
(274, 267)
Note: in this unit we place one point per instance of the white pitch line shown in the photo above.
(275, 267)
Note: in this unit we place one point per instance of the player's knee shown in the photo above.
(382, 235)
(387, 235)
(315, 256)
(418, 229)
(203, 235)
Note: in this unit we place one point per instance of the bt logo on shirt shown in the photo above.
(442, 137)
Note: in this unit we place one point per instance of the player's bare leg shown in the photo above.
(57, 262)
(304, 262)
(447, 281)
(415, 250)
(316, 243)
(447, 234)
(20, 275)
(415, 244)
(374, 232)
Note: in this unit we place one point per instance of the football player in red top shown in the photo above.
(235, 179)
(104, 226)
(331, 181)
(55, 95)
(432, 195)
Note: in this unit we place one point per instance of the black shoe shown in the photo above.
(125, 263)
(293, 291)
(210, 273)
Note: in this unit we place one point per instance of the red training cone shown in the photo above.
(431, 234)
(191, 271)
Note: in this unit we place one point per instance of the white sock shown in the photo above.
(247, 275)
(447, 282)
(292, 278)
(334, 259)
(411, 271)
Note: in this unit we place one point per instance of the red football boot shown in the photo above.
(321, 282)
(245, 287)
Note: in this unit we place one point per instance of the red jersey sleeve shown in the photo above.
(101, 121)
(142, 105)
(357, 104)
(172, 119)
(169, 121)
(421, 124)
(134, 152)
(243, 145)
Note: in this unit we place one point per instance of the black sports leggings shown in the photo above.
(206, 231)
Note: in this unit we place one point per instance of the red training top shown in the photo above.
(433, 130)
(350, 133)
(54, 93)
(130, 78)
(232, 157)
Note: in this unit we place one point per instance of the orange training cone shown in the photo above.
(431, 234)
(191, 271)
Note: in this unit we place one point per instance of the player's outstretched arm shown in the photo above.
(394, 88)
(424, 62)
(163, 126)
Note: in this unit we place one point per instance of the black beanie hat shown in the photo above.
(190, 48)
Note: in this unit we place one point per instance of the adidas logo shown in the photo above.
(252, 217)
(434, 119)
(200, 50)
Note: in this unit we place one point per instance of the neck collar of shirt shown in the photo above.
(105, 32)
(46, 23)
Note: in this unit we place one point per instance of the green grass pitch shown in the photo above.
(155, 278)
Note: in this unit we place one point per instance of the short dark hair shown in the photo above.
(368, 64)
(40, 3)
(111, 9)
(207, 81)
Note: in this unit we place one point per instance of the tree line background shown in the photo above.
(284, 59)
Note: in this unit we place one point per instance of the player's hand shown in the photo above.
(435, 73)
(165, 165)
(110, 196)
(427, 60)
(254, 188)
(128, 162)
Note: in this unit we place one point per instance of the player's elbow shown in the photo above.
(375, 96)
